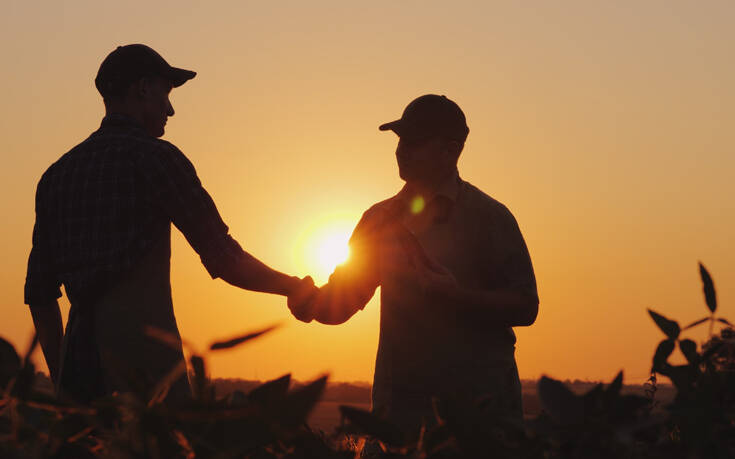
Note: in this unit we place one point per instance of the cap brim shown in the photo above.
(392, 126)
(180, 76)
(404, 130)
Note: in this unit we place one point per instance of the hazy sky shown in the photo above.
(606, 127)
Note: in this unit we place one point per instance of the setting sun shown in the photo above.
(332, 250)
(324, 246)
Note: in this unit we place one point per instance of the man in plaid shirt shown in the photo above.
(103, 224)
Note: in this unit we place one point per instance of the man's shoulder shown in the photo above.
(482, 201)
(382, 208)
(383, 205)
(101, 146)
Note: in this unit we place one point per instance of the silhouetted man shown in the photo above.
(103, 225)
(454, 272)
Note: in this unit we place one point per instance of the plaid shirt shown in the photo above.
(105, 203)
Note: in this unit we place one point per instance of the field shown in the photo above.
(684, 411)
(326, 414)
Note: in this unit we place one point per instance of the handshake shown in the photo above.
(302, 299)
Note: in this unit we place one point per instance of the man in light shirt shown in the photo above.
(455, 277)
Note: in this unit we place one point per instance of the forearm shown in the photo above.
(249, 273)
(47, 320)
(506, 308)
(336, 303)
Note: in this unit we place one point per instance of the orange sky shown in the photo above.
(606, 128)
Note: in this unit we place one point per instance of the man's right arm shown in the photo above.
(352, 284)
(176, 188)
(249, 273)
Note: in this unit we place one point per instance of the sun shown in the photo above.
(323, 246)
(331, 250)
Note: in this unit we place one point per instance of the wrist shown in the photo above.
(291, 285)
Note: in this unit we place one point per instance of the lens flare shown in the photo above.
(417, 205)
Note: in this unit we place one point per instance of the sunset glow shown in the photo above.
(331, 250)
(324, 247)
(606, 129)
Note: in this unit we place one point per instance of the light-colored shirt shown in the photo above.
(426, 346)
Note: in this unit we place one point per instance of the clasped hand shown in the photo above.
(301, 299)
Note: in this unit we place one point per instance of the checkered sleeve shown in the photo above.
(42, 284)
(177, 190)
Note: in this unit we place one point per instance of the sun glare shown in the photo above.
(323, 247)
(332, 250)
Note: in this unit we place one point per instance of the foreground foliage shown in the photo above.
(269, 421)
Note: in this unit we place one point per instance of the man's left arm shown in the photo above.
(42, 290)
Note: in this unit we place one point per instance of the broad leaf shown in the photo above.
(172, 340)
(32, 347)
(663, 351)
(369, 424)
(9, 363)
(271, 391)
(240, 339)
(616, 384)
(710, 296)
(560, 402)
(689, 349)
(299, 403)
(695, 323)
(160, 390)
(669, 327)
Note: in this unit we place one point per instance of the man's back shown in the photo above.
(101, 232)
(94, 209)
(103, 225)
(104, 204)
(103, 222)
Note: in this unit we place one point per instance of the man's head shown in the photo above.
(136, 80)
(432, 132)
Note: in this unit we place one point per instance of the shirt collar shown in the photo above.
(120, 120)
(448, 189)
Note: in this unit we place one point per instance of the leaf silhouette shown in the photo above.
(663, 351)
(669, 327)
(271, 391)
(695, 323)
(9, 363)
(240, 339)
(299, 403)
(689, 349)
(23, 384)
(616, 384)
(724, 321)
(199, 381)
(370, 424)
(710, 296)
(167, 338)
(561, 403)
(160, 390)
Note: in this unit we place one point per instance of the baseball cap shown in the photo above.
(126, 64)
(430, 115)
